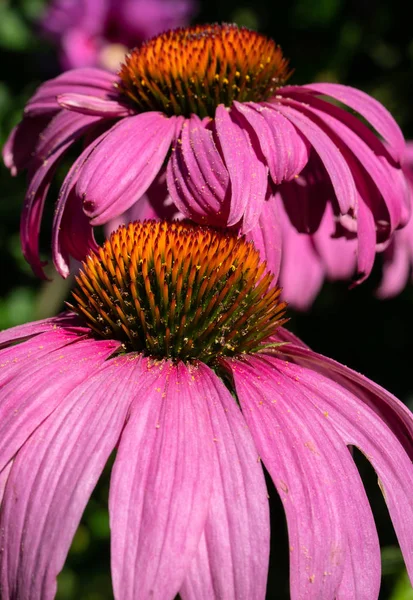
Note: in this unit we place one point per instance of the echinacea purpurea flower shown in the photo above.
(210, 106)
(178, 359)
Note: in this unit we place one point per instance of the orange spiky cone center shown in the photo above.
(179, 291)
(192, 70)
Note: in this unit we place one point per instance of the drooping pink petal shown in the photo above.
(53, 476)
(122, 167)
(369, 108)
(338, 255)
(333, 541)
(76, 233)
(367, 148)
(94, 82)
(93, 105)
(397, 262)
(284, 149)
(362, 427)
(334, 163)
(4, 475)
(161, 484)
(247, 171)
(63, 321)
(63, 130)
(41, 383)
(65, 201)
(267, 235)
(301, 272)
(393, 412)
(19, 148)
(232, 558)
(198, 180)
(306, 197)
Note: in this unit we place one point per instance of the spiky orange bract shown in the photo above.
(192, 70)
(174, 290)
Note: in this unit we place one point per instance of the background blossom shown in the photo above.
(96, 33)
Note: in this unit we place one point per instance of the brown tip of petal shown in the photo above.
(174, 290)
(192, 70)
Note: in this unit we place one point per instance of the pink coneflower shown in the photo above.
(97, 33)
(177, 359)
(209, 105)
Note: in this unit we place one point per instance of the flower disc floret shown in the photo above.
(179, 291)
(193, 70)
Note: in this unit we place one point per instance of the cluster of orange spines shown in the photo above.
(176, 290)
(192, 70)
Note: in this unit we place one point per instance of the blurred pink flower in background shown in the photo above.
(97, 33)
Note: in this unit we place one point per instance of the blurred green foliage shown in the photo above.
(361, 43)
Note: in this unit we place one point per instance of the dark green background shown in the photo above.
(361, 43)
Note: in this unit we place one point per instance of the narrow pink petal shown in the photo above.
(369, 108)
(197, 178)
(393, 412)
(284, 149)
(267, 235)
(398, 258)
(362, 427)
(28, 330)
(63, 130)
(334, 548)
(18, 150)
(232, 559)
(301, 272)
(369, 151)
(65, 201)
(247, 172)
(76, 233)
(4, 475)
(95, 82)
(137, 148)
(53, 476)
(41, 383)
(161, 484)
(15, 358)
(338, 255)
(92, 105)
(334, 162)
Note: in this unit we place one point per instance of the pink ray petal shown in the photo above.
(333, 541)
(301, 272)
(41, 384)
(369, 151)
(362, 427)
(63, 130)
(267, 235)
(285, 151)
(161, 484)
(197, 178)
(18, 150)
(95, 82)
(92, 105)
(232, 558)
(64, 320)
(137, 149)
(53, 476)
(393, 412)
(247, 172)
(374, 113)
(334, 163)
